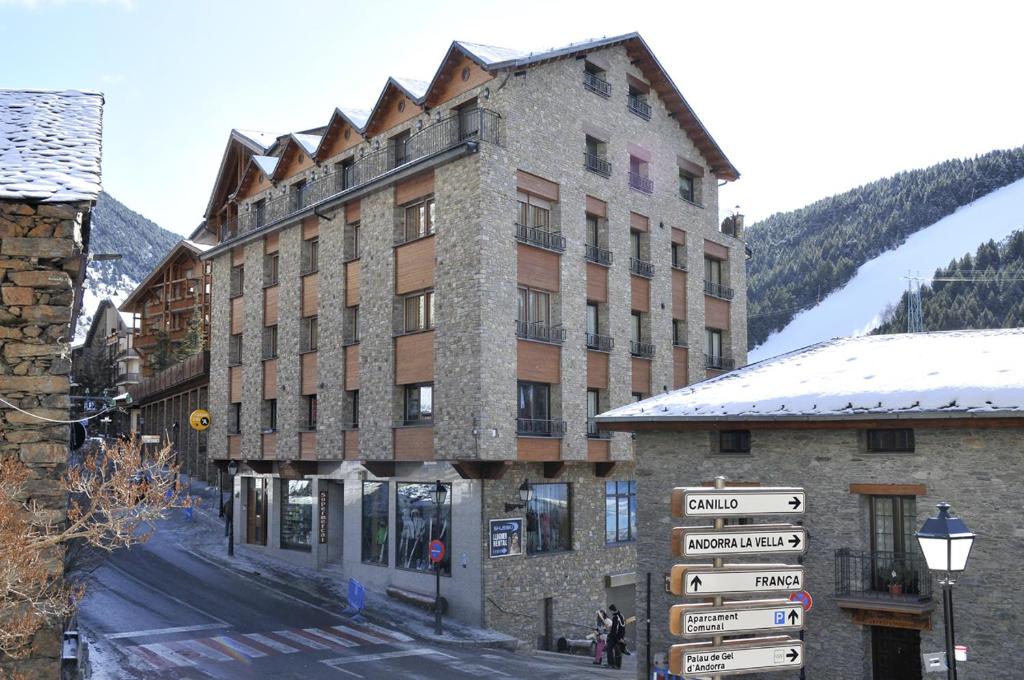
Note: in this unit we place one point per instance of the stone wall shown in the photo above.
(975, 470)
(41, 255)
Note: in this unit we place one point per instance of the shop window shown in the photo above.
(734, 441)
(619, 511)
(418, 522)
(375, 523)
(548, 519)
(419, 403)
(296, 514)
(895, 440)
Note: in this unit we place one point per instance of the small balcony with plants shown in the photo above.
(882, 580)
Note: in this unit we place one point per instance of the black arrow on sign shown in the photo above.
(795, 503)
(792, 617)
(695, 582)
(794, 541)
(793, 655)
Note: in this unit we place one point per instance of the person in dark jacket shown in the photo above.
(616, 634)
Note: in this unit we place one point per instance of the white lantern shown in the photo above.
(945, 541)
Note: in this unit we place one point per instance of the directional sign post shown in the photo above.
(703, 580)
(737, 656)
(754, 539)
(737, 501)
(735, 618)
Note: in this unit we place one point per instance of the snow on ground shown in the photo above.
(857, 308)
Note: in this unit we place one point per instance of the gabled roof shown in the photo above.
(488, 56)
(354, 118)
(266, 164)
(304, 142)
(50, 145)
(183, 245)
(413, 89)
(98, 319)
(254, 142)
(260, 140)
(910, 375)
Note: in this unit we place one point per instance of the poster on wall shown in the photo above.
(506, 537)
(323, 516)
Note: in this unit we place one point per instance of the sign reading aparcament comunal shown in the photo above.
(735, 618)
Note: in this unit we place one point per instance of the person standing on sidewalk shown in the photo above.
(616, 633)
(601, 635)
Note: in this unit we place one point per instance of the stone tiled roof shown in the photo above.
(50, 144)
(951, 373)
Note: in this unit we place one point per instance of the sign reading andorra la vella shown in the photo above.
(506, 537)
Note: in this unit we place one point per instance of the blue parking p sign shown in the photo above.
(780, 618)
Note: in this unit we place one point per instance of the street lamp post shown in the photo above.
(946, 543)
(439, 496)
(232, 469)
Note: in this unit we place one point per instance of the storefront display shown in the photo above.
(418, 523)
(296, 514)
(375, 523)
(548, 522)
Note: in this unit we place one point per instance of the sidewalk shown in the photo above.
(328, 586)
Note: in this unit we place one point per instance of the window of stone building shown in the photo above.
(895, 559)
(419, 403)
(534, 407)
(347, 173)
(259, 213)
(595, 156)
(310, 255)
(310, 334)
(268, 415)
(636, 396)
(419, 311)
(375, 523)
(534, 306)
(350, 323)
(235, 418)
(352, 247)
(353, 404)
(734, 441)
(890, 440)
(418, 522)
(296, 514)
(534, 212)
(595, 404)
(639, 175)
(237, 281)
(299, 194)
(636, 326)
(679, 256)
(398, 145)
(418, 220)
(270, 262)
(309, 412)
(687, 186)
(595, 79)
(270, 342)
(549, 519)
(235, 349)
(620, 511)
(679, 332)
(713, 346)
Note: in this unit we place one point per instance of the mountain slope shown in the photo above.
(141, 243)
(860, 305)
(994, 301)
(800, 257)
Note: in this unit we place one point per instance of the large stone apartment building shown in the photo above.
(447, 288)
(878, 430)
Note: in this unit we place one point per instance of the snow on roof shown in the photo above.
(128, 319)
(266, 163)
(922, 374)
(357, 117)
(417, 88)
(264, 140)
(50, 145)
(489, 54)
(308, 142)
(195, 245)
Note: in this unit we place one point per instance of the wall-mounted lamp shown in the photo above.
(419, 124)
(525, 495)
(486, 93)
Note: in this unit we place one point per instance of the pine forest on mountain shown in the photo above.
(991, 294)
(799, 257)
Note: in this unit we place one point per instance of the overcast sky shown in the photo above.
(806, 99)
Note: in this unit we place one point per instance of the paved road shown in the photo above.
(160, 611)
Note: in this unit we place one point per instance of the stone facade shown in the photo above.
(973, 469)
(42, 253)
(542, 114)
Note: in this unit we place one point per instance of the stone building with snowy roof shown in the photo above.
(49, 181)
(447, 287)
(878, 430)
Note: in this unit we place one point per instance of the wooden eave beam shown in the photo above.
(853, 423)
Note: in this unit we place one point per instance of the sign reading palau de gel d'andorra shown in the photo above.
(719, 618)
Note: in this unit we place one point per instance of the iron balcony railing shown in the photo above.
(718, 290)
(719, 363)
(448, 133)
(638, 106)
(602, 343)
(641, 349)
(641, 183)
(532, 427)
(538, 236)
(641, 267)
(882, 575)
(540, 331)
(192, 367)
(596, 83)
(598, 255)
(595, 163)
(594, 433)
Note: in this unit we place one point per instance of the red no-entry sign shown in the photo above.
(804, 598)
(436, 548)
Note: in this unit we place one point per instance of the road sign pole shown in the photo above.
(719, 523)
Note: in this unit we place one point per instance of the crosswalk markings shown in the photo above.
(246, 646)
